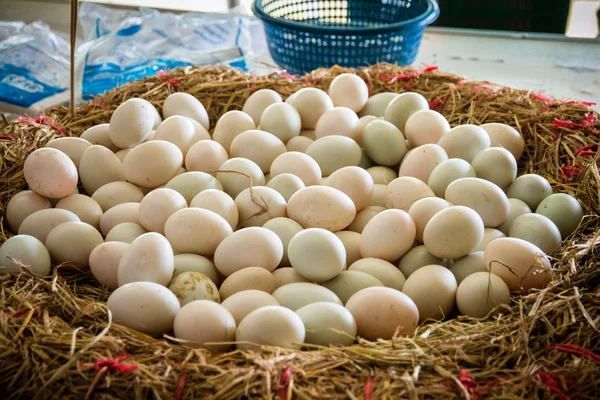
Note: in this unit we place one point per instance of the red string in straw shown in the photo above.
(471, 386)
(14, 314)
(560, 123)
(570, 171)
(485, 87)
(433, 104)
(550, 101)
(429, 68)
(588, 122)
(42, 120)
(542, 97)
(162, 75)
(474, 388)
(588, 153)
(553, 385)
(94, 105)
(288, 76)
(7, 137)
(180, 386)
(578, 350)
(253, 84)
(284, 381)
(114, 364)
(401, 77)
(587, 147)
(585, 103)
(106, 365)
(407, 78)
(368, 388)
(589, 150)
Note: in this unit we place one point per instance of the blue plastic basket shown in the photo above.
(306, 34)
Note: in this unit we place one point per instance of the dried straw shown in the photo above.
(54, 330)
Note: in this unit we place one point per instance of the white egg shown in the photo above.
(178, 130)
(384, 143)
(26, 249)
(316, 254)
(258, 101)
(99, 166)
(505, 136)
(104, 262)
(536, 229)
(334, 152)
(286, 184)
(425, 126)
(237, 174)
(328, 324)
(125, 212)
(144, 306)
(195, 230)
(339, 121)
(205, 156)
(298, 294)
(40, 223)
(402, 107)
(249, 247)
(259, 204)
(496, 165)
(73, 242)
(465, 142)
(189, 184)
(187, 105)
(73, 147)
(231, 124)
(447, 172)
(22, 205)
(218, 202)
(148, 258)
(132, 122)
(125, 232)
(377, 104)
(203, 323)
(157, 206)
(282, 120)
(258, 146)
(270, 326)
(299, 164)
(311, 104)
(516, 208)
(99, 135)
(50, 173)
(487, 199)
(115, 193)
(349, 90)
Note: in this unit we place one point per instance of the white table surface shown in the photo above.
(561, 68)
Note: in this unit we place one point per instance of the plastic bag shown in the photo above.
(149, 41)
(118, 46)
(34, 67)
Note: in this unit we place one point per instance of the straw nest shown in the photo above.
(56, 333)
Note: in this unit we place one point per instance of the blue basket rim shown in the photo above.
(420, 22)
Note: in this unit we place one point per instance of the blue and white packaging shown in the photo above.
(117, 46)
(149, 41)
(34, 68)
